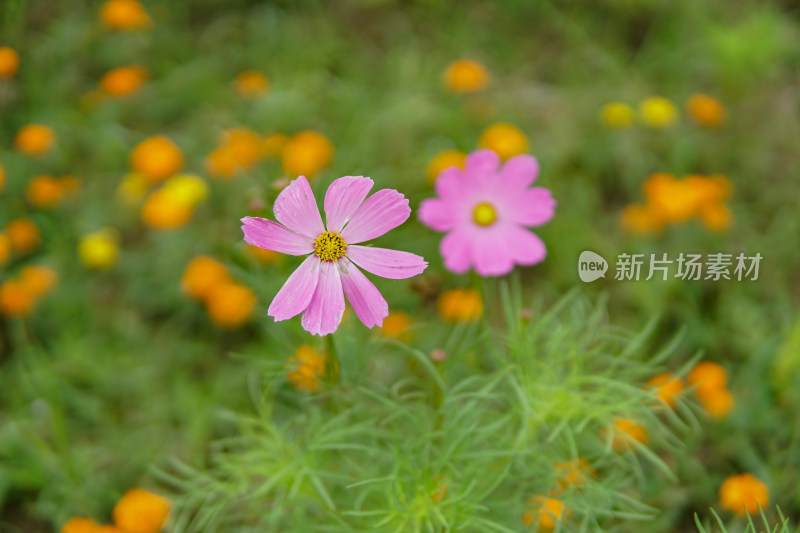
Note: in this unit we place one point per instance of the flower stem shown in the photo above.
(332, 367)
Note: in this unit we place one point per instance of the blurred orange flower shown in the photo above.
(156, 158)
(705, 111)
(625, 430)
(640, 219)
(743, 494)
(140, 511)
(123, 81)
(34, 139)
(24, 235)
(9, 62)
(708, 376)
(5, 249)
(80, 525)
(239, 149)
(444, 160)
(201, 275)
(15, 299)
(466, 76)
(124, 15)
(263, 255)
(505, 139)
(573, 473)
(546, 513)
(44, 192)
(307, 368)
(396, 325)
(250, 83)
(38, 280)
(460, 305)
(229, 305)
(162, 211)
(668, 387)
(306, 153)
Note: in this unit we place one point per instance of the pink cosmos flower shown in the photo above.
(485, 210)
(318, 287)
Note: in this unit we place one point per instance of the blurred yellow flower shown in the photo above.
(396, 325)
(505, 139)
(9, 62)
(133, 188)
(156, 158)
(201, 275)
(705, 111)
(186, 188)
(44, 192)
(5, 249)
(626, 430)
(38, 280)
(617, 115)
(250, 83)
(668, 387)
(15, 299)
(229, 305)
(743, 494)
(466, 76)
(24, 235)
(107, 528)
(307, 368)
(460, 305)
(99, 250)
(263, 255)
(444, 160)
(658, 112)
(140, 511)
(80, 525)
(239, 149)
(124, 15)
(306, 153)
(273, 144)
(123, 81)
(546, 513)
(34, 139)
(162, 211)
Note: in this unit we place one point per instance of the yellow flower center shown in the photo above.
(330, 246)
(484, 214)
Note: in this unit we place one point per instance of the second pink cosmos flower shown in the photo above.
(319, 285)
(486, 210)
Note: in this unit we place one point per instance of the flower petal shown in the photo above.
(527, 248)
(270, 235)
(530, 207)
(367, 302)
(343, 198)
(437, 214)
(519, 172)
(324, 314)
(450, 184)
(456, 249)
(296, 208)
(492, 252)
(296, 294)
(391, 264)
(381, 212)
(481, 165)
